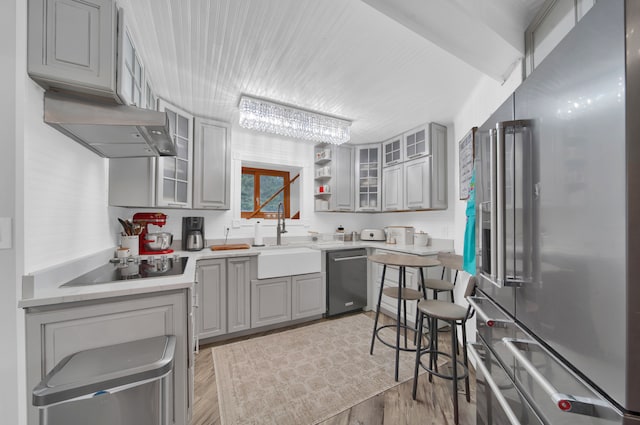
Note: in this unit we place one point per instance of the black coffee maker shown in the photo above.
(192, 233)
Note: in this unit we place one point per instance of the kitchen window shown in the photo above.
(258, 185)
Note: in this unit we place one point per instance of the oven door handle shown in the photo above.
(495, 389)
(565, 402)
(358, 257)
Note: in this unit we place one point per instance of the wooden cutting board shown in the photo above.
(230, 246)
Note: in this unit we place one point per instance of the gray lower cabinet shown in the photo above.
(238, 294)
(281, 299)
(211, 294)
(72, 44)
(270, 301)
(223, 296)
(308, 295)
(211, 165)
(54, 332)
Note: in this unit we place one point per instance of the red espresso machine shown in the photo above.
(144, 219)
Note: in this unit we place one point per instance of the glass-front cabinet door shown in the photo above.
(392, 151)
(417, 143)
(368, 172)
(174, 173)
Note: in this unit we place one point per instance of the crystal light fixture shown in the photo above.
(270, 117)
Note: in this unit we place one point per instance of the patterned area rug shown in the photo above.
(305, 375)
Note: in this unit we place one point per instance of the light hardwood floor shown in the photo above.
(392, 407)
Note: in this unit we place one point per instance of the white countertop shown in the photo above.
(43, 288)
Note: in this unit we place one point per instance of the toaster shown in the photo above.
(372, 235)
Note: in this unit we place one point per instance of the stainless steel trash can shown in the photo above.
(123, 384)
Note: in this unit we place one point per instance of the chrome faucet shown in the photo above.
(280, 229)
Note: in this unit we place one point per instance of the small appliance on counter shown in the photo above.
(153, 243)
(402, 235)
(421, 239)
(372, 235)
(192, 233)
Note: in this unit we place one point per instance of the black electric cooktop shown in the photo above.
(141, 269)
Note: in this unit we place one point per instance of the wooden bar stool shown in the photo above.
(455, 315)
(402, 294)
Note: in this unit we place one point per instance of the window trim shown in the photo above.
(256, 172)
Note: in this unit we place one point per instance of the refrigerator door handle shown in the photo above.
(502, 129)
(492, 211)
(500, 203)
(502, 401)
(565, 402)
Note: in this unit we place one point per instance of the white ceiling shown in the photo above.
(340, 57)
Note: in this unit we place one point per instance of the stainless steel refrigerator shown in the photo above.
(558, 234)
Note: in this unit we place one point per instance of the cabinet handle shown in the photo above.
(415, 155)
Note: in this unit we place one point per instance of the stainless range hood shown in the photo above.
(109, 129)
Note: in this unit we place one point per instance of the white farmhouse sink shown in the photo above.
(288, 261)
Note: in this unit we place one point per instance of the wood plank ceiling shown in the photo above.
(340, 57)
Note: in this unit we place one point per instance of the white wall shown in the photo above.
(254, 147)
(66, 193)
(487, 96)
(12, 404)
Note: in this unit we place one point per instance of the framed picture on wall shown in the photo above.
(466, 156)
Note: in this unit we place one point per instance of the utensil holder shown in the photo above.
(132, 243)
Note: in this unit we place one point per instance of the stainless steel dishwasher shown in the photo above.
(346, 280)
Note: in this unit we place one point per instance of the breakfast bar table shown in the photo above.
(402, 294)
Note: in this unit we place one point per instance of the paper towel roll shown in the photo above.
(257, 236)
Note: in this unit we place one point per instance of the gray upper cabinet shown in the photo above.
(392, 151)
(85, 46)
(72, 45)
(419, 180)
(334, 177)
(131, 78)
(368, 178)
(417, 184)
(416, 143)
(345, 164)
(132, 182)
(392, 193)
(438, 166)
(174, 183)
(211, 165)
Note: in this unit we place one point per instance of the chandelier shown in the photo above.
(270, 117)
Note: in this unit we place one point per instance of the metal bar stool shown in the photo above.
(449, 261)
(455, 315)
(402, 294)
